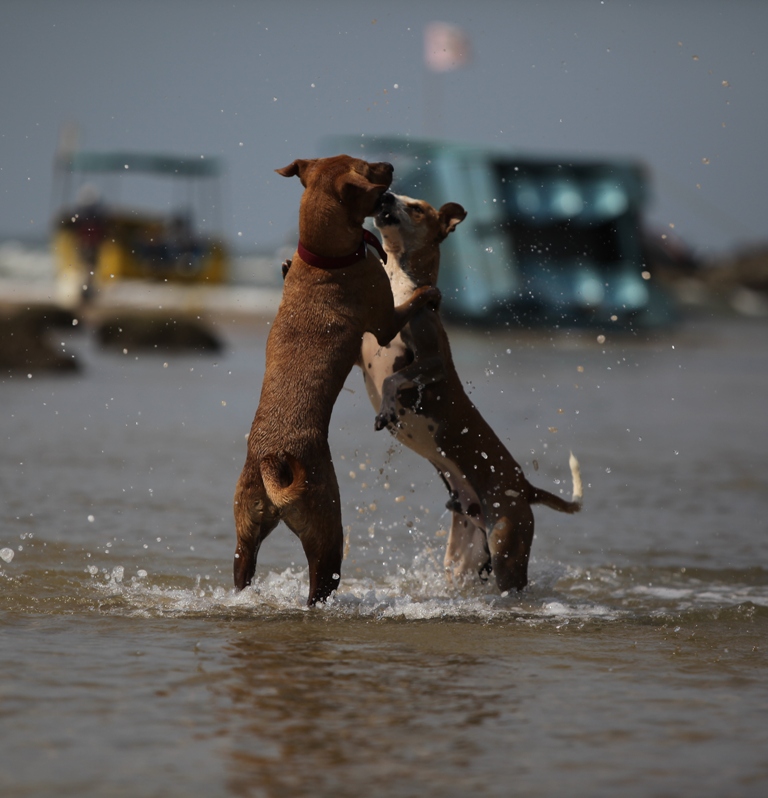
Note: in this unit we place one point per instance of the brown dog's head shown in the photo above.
(351, 183)
(413, 231)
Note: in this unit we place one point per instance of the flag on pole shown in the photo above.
(446, 47)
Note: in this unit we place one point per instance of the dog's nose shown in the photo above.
(388, 166)
(387, 199)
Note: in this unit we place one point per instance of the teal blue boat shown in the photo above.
(547, 240)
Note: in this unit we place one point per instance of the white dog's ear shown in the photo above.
(299, 167)
(451, 215)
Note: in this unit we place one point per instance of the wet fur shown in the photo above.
(314, 342)
(413, 384)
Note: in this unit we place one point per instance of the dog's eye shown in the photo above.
(416, 209)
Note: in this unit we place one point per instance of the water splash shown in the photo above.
(407, 590)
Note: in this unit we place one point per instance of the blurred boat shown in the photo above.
(114, 220)
(547, 239)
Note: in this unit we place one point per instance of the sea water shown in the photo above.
(634, 662)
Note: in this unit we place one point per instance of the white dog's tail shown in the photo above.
(578, 492)
(539, 496)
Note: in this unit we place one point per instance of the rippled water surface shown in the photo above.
(634, 663)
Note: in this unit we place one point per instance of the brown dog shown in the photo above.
(422, 401)
(335, 291)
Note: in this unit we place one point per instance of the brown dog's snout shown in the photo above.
(383, 171)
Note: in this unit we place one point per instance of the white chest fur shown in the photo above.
(402, 285)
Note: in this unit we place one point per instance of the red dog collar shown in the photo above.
(346, 260)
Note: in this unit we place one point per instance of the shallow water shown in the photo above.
(635, 661)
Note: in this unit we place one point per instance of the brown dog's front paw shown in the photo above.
(429, 295)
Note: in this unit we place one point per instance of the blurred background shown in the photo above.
(677, 84)
(673, 88)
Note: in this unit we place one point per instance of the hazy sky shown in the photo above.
(678, 84)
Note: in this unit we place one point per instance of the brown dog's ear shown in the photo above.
(298, 167)
(352, 182)
(357, 181)
(451, 215)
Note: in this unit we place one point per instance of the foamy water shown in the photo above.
(556, 593)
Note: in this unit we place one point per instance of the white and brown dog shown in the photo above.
(413, 384)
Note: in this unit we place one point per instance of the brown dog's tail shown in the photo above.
(539, 496)
(284, 478)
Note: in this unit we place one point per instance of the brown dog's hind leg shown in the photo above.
(324, 563)
(316, 521)
(252, 525)
(510, 544)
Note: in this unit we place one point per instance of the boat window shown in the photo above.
(548, 197)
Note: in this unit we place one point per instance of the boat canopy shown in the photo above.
(148, 163)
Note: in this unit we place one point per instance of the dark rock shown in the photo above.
(24, 339)
(747, 268)
(136, 331)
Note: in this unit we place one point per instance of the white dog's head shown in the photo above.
(413, 230)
